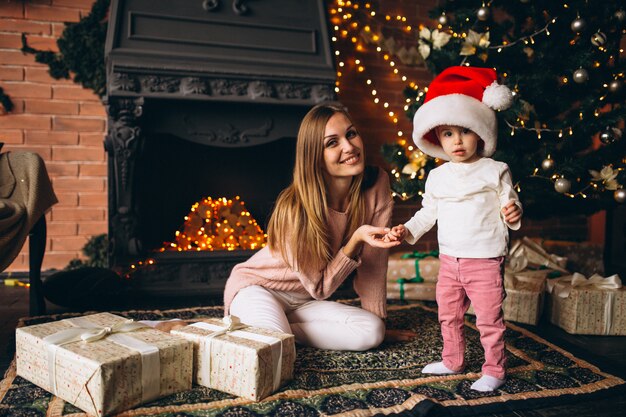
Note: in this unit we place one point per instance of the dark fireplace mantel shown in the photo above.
(224, 75)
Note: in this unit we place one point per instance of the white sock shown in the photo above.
(487, 383)
(438, 368)
(153, 323)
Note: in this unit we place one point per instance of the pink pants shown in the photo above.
(479, 281)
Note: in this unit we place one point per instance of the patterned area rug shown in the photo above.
(386, 380)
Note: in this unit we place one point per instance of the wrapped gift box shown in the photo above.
(411, 291)
(595, 306)
(103, 363)
(524, 295)
(238, 359)
(418, 266)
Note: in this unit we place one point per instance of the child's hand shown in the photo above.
(397, 233)
(512, 213)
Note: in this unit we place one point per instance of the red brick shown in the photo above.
(77, 153)
(92, 200)
(92, 139)
(78, 124)
(42, 43)
(92, 109)
(12, 8)
(93, 170)
(77, 214)
(43, 151)
(51, 107)
(80, 4)
(27, 90)
(54, 138)
(57, 29)
(25, 121)
(62, 229)
(68, 243)
(92, 229)
(42, 75)
(18, 106)
(10, 41)
(11, 136)
(17, 58)
(24, 26)
(59, 260)
(66, 200)
(78, 184)
(51, 13)
(11, 73)
(58, 169)
(73, 92)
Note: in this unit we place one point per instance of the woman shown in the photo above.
(329, 222)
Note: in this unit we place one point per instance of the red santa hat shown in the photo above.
(461, 96)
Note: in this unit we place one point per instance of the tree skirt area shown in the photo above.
(386, 380)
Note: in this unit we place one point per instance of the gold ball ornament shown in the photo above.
(580, 76)
(578, 25)
(598, 39)
(483, 13)
(547, 164)
(615, 86)
(620, 15)
(562, 185)
(620, 195)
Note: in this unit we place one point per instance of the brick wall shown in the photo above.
(57, 119)
(65, 124)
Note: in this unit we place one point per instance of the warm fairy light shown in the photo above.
(217, 224)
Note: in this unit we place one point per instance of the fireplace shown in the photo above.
(204, 99)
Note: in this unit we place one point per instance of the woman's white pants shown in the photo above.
(321, 324)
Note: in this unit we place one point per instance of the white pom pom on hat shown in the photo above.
(461, 96)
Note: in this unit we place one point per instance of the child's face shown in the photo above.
(459, 143)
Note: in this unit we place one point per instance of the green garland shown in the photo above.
(81, 50)
(5, 101)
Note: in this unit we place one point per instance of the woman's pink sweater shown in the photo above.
(268, 269)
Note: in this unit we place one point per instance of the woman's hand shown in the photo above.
(371, 235)
(512, 213)
(399, 335)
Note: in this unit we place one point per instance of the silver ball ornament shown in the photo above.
(578, 25)
(607, 136)
(615, 86)
(443, 19)
(483, 13)
(547, 164)
(580, 76)
(562, 185)
(620, 195)
(598, 39)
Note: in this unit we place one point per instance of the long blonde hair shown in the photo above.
(298, 229)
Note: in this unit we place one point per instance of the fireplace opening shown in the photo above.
(174, 173)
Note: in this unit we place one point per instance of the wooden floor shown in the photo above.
(608, 353)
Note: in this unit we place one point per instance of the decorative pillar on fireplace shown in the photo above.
(204, 100)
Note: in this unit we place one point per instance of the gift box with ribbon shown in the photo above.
(103, 363)
(524, 295)
(413, 267)
(581, 305)
(233, 357)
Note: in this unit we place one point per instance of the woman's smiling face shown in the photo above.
(343, 148)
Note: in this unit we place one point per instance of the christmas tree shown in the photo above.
(564, 62)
